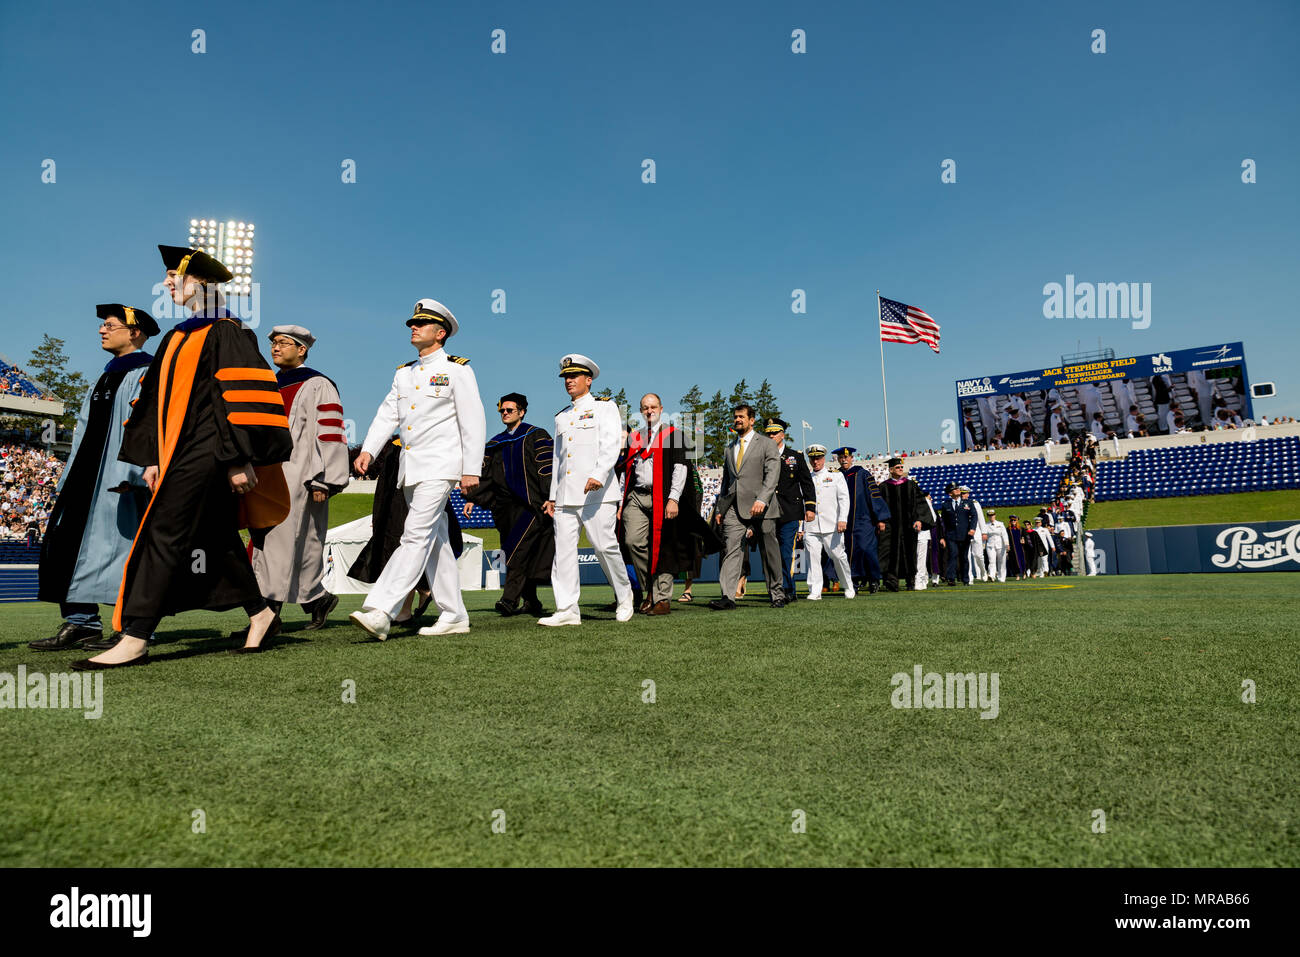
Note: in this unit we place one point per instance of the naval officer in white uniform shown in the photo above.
(435, 408)
(826, 531)
(584, 489)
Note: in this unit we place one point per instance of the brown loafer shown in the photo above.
(660, 608)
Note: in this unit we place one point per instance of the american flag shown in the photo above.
(907, 324)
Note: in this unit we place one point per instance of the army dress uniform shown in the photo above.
(796, 497)
(588, 436)
(435, 409)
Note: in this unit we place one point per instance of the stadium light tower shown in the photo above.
(230, 241)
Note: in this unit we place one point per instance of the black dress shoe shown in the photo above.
(87, 665)
(778, 603)
(272, 630)
(68, 636)
(506, 609)
(103, 644)
(320, 611)
(534, 608)
(420, 609)
(873, 588)
(722, 604)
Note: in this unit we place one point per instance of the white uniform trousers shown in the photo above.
(922, 561)
(833, 543)
(598, 519)
(423, 553)
(975, 570)
(1090, 561)
(995, 557)
(1042, 566)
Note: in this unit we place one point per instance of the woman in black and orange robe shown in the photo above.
(210, 429)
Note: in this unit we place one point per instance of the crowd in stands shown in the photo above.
(13, 381)
(28, 476)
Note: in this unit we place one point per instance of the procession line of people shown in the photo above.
(176, 452)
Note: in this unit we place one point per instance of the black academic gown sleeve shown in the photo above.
(248, 407)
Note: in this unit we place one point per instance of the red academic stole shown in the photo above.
(637, 448)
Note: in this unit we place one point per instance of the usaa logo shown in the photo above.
(1161, 363)
(982, 386)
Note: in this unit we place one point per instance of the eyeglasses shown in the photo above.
(112, 327)
(283, 342)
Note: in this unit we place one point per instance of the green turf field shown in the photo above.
(1119, 694)
(1278, 506)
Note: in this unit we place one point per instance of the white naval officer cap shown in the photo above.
(298, 334)
(815, 449)
(431, 310)
(576, 362)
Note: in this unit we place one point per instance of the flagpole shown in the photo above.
(804, 432)
(889, 445)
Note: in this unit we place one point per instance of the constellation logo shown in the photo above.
(103, 910)
(1245, 550)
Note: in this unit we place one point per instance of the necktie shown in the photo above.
(740, 453)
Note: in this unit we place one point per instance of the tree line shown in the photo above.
(708, 420)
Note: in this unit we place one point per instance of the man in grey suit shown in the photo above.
(747, 501)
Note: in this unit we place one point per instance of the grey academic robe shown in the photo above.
(291, 562)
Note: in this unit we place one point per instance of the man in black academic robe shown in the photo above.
(514, 484)
(1017, 562)
(910, 513)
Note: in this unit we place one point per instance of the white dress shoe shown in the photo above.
(623, 612)
(569, 616)
(850, 594)
(814, 597)
(372, 621)
(454, 626)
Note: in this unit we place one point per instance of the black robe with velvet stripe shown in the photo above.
(209, 402)
(515, 483)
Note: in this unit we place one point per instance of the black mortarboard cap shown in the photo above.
(195, 263)
(139, 318)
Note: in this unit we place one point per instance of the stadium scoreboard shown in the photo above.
(1225, 361)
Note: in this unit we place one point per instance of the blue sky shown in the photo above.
(775, 171)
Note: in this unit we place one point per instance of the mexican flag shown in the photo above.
(841, 423)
